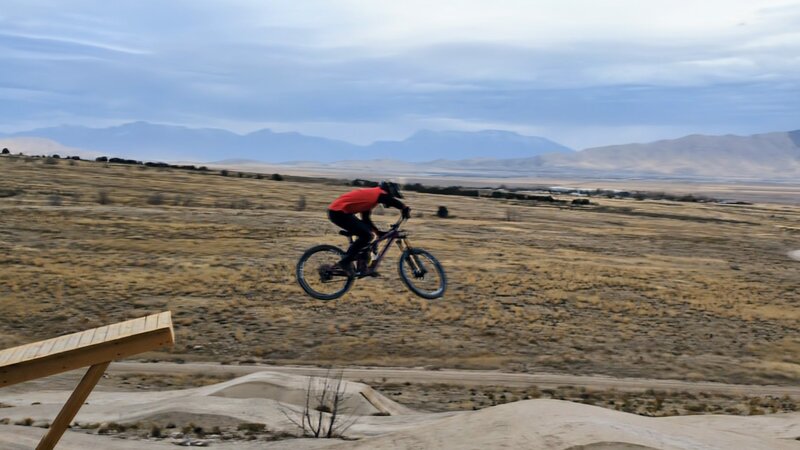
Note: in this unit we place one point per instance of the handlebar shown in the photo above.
(399, 222)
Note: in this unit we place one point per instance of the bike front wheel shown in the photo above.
(422, 273)
(318, 275)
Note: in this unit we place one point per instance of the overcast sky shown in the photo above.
(581, 72)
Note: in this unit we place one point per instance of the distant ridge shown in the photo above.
(42, 146)
(143, 140)
(427, 145)
(766, 156)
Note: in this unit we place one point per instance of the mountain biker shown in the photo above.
(342, 212)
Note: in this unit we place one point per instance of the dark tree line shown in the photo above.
(149, 164)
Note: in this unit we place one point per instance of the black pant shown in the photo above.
(351, 223)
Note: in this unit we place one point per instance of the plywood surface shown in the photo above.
(85, 348)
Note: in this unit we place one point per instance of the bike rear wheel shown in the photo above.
(422, 273)
(318, 276)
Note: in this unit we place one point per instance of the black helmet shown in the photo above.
(391, 188)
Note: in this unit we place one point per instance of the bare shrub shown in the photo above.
(54, 200)
(183, 200)
(10, 192)
(103, 198)
(155, 431)
(51, 160)
(322, 414)
(301, 203)
(252, 427)
(156, 199)
(512, 215)
(241, 203)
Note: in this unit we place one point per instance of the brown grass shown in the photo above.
(634, 288)
(445, 397)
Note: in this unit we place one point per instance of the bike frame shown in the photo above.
(393, 235)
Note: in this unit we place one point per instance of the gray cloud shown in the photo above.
(257, 62)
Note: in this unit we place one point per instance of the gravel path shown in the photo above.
(465, 377)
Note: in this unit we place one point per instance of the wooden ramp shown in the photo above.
(94, 348)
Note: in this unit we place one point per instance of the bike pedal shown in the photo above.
(367, 274)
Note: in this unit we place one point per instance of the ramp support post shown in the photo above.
(70, 409)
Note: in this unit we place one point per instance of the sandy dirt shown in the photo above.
(466, 377)
(267, 397)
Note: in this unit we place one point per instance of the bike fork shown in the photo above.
(415, 266)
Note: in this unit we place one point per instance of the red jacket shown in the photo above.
(357, 201)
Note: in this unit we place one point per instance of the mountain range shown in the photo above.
(767, 155)
(774, 156)
(142, 140)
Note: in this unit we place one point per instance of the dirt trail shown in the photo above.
(466, 377)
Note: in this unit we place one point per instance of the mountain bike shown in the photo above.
(322, 279)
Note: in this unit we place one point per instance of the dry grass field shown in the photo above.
(656, 289)
(652, 403)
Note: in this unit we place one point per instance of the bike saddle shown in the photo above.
(346, 233)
